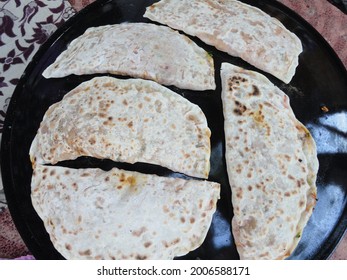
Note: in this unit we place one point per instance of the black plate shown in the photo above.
(320, 80)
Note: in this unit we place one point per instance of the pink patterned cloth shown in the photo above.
(11, 244)
(328, 20)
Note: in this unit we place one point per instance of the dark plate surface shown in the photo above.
(320, 80)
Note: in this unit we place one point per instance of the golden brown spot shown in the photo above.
(79, 219)
(108, 84)
(235, 80)
(119, 187)
(68, 246)
(130, 124)
(85, 174)
(102, 115)
(210, 205)
(186, 155)
(141, 257)
(192, 118)
(250, 188)
(85, 253)
(125, 102)
(175, 241)
(158, 106)
(255, 91)
(177, 190)
(298, 183)
(301, 203)
(200, 203)
(147, 244)
(192, 220)
(266, 254)
(183, 220)
(131, 180)
(166, 209)
(122, 177)
(92, 141)
(287, 194)
(44, 177)
(203, 215)
(240, 108)
(246, 37)
(107, 179)
(250, 223)
(259, 117)
(44, 170)
(325, 109)
(140, 106)
(239, 169)
(239, 193)
(147, 99)
(139, 231)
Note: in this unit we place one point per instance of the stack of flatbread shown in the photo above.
(93, 214)
(271, 157)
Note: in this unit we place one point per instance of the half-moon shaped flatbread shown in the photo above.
(93, 214)
(140, 50)
(272, 165)
(236, 28)
(128, 121)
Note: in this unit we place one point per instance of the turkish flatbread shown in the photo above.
(140, 50)
(272, 165)
(239, 29)
(129, 121)
(94, 214)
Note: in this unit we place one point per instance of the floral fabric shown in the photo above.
(24, 27)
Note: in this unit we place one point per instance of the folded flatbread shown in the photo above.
(272, 165)
(93, 214)
(236, 28)
(128, 121)
(140, 50)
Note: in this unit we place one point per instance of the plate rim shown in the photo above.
(6, 149)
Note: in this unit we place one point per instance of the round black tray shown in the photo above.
(320, 80)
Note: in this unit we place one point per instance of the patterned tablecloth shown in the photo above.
(26, 24)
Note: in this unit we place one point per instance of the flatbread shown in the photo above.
(272, 165)
(140, 50)
(239, 29)
(127, 121)
(94, 214)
